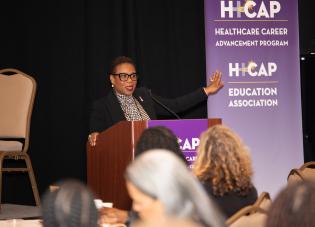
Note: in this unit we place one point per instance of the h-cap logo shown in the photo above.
(250, 8)
(253, 69)
(188, 144)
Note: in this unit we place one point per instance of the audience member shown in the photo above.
(224, 167)
(162, 187)
(294, 206)
(151, 138)
(71, 205)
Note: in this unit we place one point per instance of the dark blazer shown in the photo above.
(106, 111)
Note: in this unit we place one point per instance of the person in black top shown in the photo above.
(127, 102)
(224, 168)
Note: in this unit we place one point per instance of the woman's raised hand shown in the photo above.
(215, 83)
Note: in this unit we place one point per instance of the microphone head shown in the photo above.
(149, 91)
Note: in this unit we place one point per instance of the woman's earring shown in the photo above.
(112, 85)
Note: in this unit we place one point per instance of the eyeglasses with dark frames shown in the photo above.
(125, 76)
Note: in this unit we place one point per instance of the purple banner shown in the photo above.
(255, 45)
(187, 132)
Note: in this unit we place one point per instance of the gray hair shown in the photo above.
(163, 176)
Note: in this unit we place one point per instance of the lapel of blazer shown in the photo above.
(114, 108)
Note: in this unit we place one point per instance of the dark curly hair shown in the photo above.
(71, 205)
(159, 137)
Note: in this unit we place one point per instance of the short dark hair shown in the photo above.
(159, 137)
(293, 206)
(71, 205)
(119, 60)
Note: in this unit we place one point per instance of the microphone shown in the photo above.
(161, 104)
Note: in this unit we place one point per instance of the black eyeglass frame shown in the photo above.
(125, 76)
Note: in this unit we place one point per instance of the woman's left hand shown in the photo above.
(215, 83)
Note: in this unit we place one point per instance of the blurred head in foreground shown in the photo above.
(70, 205)
(294, 206)
(161, 186)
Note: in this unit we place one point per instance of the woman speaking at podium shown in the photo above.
(127, 102)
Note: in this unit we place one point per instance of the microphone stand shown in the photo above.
(161, 104)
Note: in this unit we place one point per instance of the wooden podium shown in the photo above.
(107, 161)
